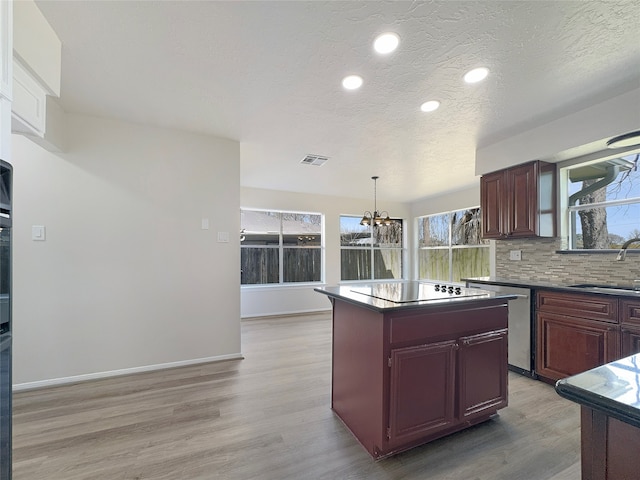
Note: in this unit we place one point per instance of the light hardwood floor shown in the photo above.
(268, 417)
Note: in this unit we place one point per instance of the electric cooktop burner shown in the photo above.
(407, 292)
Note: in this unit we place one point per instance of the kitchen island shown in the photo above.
(609, 396)
(415, 361)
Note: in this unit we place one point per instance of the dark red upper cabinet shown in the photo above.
(519, 202)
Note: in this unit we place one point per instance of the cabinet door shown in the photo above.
(630, 332)
(568, 345)
(522, 207)
(609, 447)
(630, 340)
(492, 201)
(482, 367)
(421, 390)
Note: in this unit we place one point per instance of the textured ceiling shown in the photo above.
(268, 74)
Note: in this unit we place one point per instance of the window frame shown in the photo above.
(450, 247)
(281, 247)
(372, 249)
(565, 210)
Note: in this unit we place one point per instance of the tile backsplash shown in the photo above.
(541, 263)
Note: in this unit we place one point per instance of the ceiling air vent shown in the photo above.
(317, 160)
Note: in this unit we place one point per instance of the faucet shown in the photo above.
(623, 251)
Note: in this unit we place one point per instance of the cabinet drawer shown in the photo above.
(414, 328)
(593, 307)
(630, 312)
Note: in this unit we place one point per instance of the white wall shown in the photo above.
(615, 116)
(259, 301)
(126, 279)
(455, 200)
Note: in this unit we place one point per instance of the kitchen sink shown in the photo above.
(607, 289)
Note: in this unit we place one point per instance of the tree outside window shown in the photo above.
(603, 202)
(370, 252)
(450, 246)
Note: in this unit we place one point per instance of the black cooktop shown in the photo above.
(407, 292)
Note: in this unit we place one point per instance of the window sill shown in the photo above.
(383, 280)
(274, 286)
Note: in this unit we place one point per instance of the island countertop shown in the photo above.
(613, 389)
(588, 287)
(383, 297)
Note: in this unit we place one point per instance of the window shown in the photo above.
(370, 253)
(450, 246)
(280, 247)
(601, 202)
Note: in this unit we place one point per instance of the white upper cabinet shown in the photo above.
(37, 60)
(6, 48)
(36, 46)
(29, 103)
(6, 77)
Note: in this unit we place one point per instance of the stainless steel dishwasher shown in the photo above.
(521, 350)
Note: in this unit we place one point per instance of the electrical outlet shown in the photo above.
(515, 255)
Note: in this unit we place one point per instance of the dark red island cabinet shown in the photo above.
(405, 377)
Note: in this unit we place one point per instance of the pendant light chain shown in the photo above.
(375, 196)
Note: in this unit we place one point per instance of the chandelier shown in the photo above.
(376, 218)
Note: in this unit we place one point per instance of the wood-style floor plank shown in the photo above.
(268, 417)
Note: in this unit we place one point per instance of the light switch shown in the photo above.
(205, 224)
(223, 237)
(38, 233)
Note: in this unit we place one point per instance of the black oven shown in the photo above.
(5, 320)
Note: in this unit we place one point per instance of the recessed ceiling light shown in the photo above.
(386, 43)
(476, 75)
(430, 106)
(352, 82)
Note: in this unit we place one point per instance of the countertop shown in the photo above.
(552, 286)
(613, 389)
(360, 294)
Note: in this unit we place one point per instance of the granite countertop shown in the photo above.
(613, 389)
(624, 291)
(407, 295)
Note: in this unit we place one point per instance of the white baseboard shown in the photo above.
(288, 313)
(17, 387)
